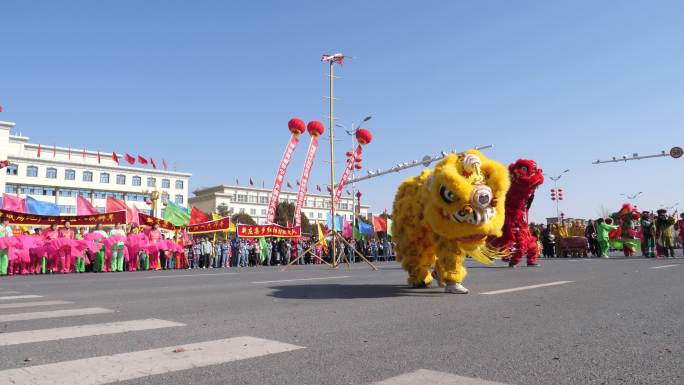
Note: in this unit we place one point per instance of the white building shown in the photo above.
(254, 201)
(60, 174)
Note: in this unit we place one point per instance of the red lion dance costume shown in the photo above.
(516, 240)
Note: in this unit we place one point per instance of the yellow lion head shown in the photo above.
(466, 194)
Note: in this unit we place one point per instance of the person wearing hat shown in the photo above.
(665, 229)
(648, 231)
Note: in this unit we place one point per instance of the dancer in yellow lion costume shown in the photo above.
(444, 214)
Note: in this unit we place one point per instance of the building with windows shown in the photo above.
(58, 175)
(254, 201)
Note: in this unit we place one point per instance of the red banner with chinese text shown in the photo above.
(303, 182)
(345, 174)
(280, 177)
(222, 224)
(148, 220)
(260, 231)
(23, 219)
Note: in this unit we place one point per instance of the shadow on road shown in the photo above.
(341, 291)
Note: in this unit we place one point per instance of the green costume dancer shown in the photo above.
(5, 231)
(80, 261)
(602, 230)
(665, 229)
(117, 259)
(99, 263)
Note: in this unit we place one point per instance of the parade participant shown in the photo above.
(99, 265)
(602, 230)
(116, 261)
(80, 260)
(516, 240)
(679, 226)
(648, 231)
(665, 231)
(64, 256)
(447, 213)
(5, 231)
(225, 253)
(47, 234)
(154, 237)
(590, 234)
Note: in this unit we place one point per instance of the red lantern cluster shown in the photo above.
(296, 126)
(315, 128)
(557, 194)
(363, 136)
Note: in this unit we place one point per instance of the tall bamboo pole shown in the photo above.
(332, 167)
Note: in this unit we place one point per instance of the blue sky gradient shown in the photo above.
(210, 85)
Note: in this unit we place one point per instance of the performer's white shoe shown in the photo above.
(455, 289)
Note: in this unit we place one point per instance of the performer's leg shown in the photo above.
(4, 262)
(532, 252)
(603, 246)
(419, 270)
(452, 272)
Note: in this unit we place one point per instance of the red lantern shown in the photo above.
(358, 159)
(363, 136)
(149, 202)
(358, 194)
(296, 126)
(349, 154)
(358, 166)
(315, 128)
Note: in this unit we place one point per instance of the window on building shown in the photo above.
(32, 171)
(263, 200)
(242, 198)
(51, 173)
(179, 199)
(166, 183)
(12, 169)
(100, 195)
(263, 211)
(87, 176)
(165, 198)
(344, 206)
(179, 185)
(10, 189)
(151, 182)
(104, 177)
(320, 215)
(252, 211)
(121, 179)
(136, 180)
(67, 209)
(252, 199)
(69, 174)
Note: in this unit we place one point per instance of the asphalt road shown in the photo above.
(617, 321)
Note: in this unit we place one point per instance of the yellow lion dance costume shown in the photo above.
(444, 214)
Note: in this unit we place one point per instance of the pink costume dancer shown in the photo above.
(64, 258)
(154, 236)
(47, 262)
(134, 244)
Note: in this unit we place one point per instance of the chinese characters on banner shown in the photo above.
(280, 177)
(148, 220)
(222, 224)
(259, 231)
(345, 174)
(16, 218)
(303, 182)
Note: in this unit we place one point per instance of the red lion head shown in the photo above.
(524, 172)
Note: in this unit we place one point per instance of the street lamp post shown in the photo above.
(352, 133)
(555, 188)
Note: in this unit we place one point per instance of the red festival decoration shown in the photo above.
(16, 218)
(142, 160)
(282, 169)
(129, 158)
(115, 157)
(364, 137)
(261, 231)
(315, 129)
(296, 126)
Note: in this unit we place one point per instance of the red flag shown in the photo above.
(98, 156)
(0, 107)
(297, 182)
(39, 150)
(54, 151)
(289, 186)
(114, 204)
(379, 223)
(197, 216)
(251, 183)
(318, 187)
(13, 203)
(348, 193)
(154, 165)
(84, 207)
(164, 163)
(115, 158)
(69, 152)
(84, 154)
(142, 160)
(237, 181)
(328, 188)
(130, 159)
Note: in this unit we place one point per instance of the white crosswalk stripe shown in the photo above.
(27, 296)
(423, 376)
(54, 314)
(18, 305)
(127, 366)
(521, 288)
(70, 332)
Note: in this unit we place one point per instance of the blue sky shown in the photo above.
(210, 85)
